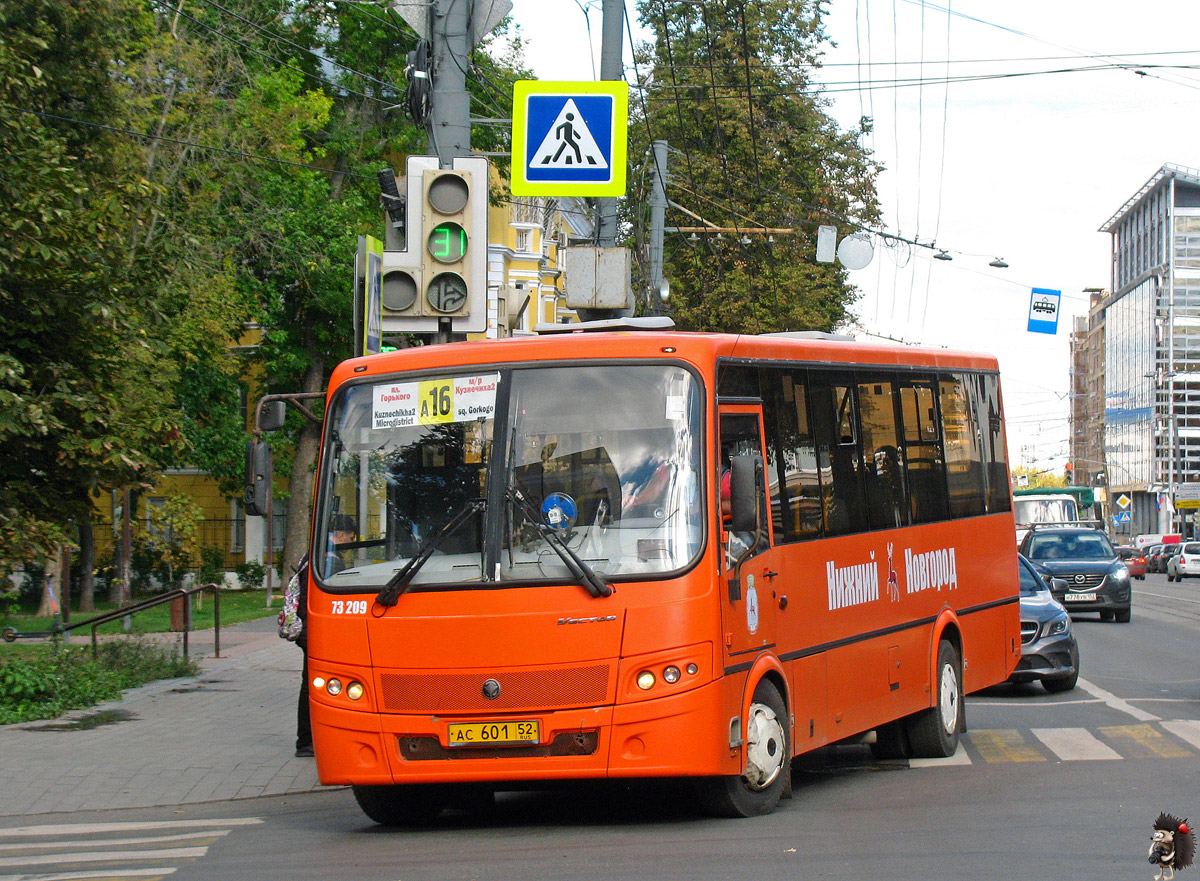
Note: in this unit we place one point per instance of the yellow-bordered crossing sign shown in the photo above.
(569, 138)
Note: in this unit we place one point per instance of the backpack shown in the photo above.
(291, 625)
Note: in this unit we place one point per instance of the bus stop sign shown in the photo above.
(569, 138)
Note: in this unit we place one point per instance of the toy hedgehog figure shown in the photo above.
(1172, 846)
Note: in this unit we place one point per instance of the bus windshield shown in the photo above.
(468, 471)
(1046, 509)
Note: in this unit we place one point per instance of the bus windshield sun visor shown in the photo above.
(398, 583)
(583, 573)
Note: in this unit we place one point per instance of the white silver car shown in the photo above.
(1185, 563)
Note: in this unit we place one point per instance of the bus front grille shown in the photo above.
(545, 689)
(567, 743)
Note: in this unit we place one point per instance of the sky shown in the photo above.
(1024, 163)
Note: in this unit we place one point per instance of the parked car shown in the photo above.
(1185, 563)
(1095, 578)
(1134, 561)
(1049, 650)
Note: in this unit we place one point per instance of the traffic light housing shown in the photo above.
(448, 244)
(443, 272)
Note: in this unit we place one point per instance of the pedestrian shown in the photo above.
(304, 741)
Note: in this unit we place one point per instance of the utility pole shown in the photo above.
(658, 211)
(449, 126)
(611, 68)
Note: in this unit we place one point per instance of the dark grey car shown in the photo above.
(1096, 579)
(1049, 650)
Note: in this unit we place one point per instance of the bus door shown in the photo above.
(749, 570)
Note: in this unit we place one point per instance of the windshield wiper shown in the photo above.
(399, 582)
(582, 572)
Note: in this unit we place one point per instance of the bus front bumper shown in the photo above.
(681, 735)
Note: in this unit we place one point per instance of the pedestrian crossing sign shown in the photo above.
(569, 138)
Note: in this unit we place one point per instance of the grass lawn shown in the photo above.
(236, 606)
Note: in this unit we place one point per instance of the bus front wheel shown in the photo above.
(933, 733)
(768, 762)
(400, 805)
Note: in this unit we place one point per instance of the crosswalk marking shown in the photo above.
(81, 852)
(130, 826)
(1185, 729)
(1144, 742)
(960, 757)
(1004, 745)
(1074, 744)
(1108, 743)
(194, 837)
(101, 856)
(144, 874)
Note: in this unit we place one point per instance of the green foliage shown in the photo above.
(47, 684)
(728, 87)
(251, 574)
(212, 565)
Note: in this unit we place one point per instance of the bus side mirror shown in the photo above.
(745, 493)
(257, 494)
(272, 415)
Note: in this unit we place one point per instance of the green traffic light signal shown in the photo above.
(447, 242)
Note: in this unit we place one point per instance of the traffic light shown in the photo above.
(450, 198)
(442, 274)
(401, 283)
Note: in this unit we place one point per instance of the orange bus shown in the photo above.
(652, 554)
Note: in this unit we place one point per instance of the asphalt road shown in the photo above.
(1045, 786)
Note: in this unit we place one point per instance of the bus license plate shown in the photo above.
(494, 733)
(1080, 597)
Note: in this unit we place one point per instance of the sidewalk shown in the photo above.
(229, 733)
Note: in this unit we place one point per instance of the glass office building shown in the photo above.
(1152, 348)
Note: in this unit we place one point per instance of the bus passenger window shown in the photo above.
(791, 465)
(884, 467)
(926, 467)
(839, 455)
(964, 458)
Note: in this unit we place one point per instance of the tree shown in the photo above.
(80, 408)
(728, 87)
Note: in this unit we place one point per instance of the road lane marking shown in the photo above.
(1144, 742)
(1116, 703)
(1185, 729)
(1074, 744)
(1163, 596)
(1004, 745)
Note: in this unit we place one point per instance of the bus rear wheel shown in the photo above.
(933, 733)
(768, 762)
(400, 805)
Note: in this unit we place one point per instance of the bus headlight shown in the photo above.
(334, 687)
(354, 691)
(671, 675)
(645, 680)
